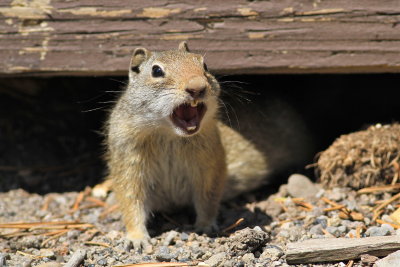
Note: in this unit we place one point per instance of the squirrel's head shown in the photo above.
(172, 90)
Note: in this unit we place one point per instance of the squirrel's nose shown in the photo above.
(196, 87)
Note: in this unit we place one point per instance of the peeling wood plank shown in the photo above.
(88, 37)
(340, 249)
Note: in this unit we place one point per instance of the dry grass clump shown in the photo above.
(362, 159)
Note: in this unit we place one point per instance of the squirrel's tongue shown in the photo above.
(188, 118)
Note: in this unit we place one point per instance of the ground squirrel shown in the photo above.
(167, 147)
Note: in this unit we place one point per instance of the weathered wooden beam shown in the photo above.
(339, 249)
(86, 37)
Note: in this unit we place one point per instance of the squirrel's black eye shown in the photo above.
(205, 67)
(157, 71)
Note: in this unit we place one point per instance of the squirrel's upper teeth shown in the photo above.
(194, 103)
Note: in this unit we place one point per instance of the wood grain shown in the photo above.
(96, 37)
(339, 249)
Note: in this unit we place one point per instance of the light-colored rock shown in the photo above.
(216, 260)
(300, 186)
(389, 261)
(272, 253)
(377, 231)
(248, 258)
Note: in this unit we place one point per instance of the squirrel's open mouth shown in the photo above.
(188, 116)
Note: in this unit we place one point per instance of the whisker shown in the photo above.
(114, 91)
(90, 99)
(234, 113)
(121, 82)
(93, 109)
(107, 102)
(226, 112)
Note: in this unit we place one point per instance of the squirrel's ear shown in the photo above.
(139, 55)
(183, 46)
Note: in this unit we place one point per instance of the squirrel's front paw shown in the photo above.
(206, 228)
(139, 241)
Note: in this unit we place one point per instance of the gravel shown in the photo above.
(301, 186)
(259, 241)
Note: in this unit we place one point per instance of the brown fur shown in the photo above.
(154, 166)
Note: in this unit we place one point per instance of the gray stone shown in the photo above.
(229, 263)
(276, 263)
(317, 211)
(300, 186)
(247, 240)
(248, 258)
(163, 249)
(387, 218)
(337, 194)
(170, 237)
(184, 236)
(111, 261)
(316, 230)
(164, 257)
(342, 229)
(333, 230)
(272, 253)
(27, 263)
(334, 221)
(377, 231)
(284, 234)
(164, 254)
(48, 253)
(388, 227)
(3, 259)
(322, 220)
(389, 261)
(296, 233)
(216, 260)
(257, 228)
(102, 262)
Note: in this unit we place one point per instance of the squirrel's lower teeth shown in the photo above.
(194, 103)
(191, 128)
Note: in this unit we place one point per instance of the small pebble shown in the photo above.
(342, 229)
(3, 259)
(333, 231)
(27, 263)
(337, 194)
(102, 262)
(389, 261)
(387, 218)
(377, 231)
(48, 253)
(170, 237)
(334, 221)
(113, 234)
(257, 228)
(184, 236)
(301, 186)
(388, 227)
(271, 252)
(322, 220)
(248, 258)
(216, 259)
(316, 229)
(164, 257)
